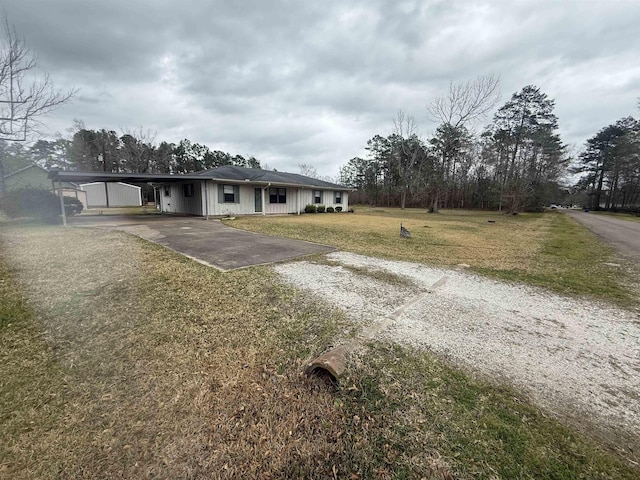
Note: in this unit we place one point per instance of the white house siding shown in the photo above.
(297, 199)
(328, 199)
(120, 194)
(282, 208)
(178, 203)
(244, 204)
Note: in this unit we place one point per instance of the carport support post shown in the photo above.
(64, 215)
(206, 199)
(264, 207)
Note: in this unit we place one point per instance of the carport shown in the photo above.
(107, 177)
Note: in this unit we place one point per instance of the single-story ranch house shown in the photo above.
(228, 190)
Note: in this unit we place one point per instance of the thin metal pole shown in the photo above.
(64, 215)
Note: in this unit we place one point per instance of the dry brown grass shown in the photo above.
(140, 363)
(171, 369)
(549, 250)
(448, 238)
(131, 361)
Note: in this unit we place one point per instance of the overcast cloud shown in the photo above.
(295, 82)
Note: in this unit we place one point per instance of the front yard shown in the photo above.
(121, 359)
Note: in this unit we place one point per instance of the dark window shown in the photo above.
(277, 195)
(229, 194)
(167, 191)
(187, 190)
(317, 196)
(338, 197)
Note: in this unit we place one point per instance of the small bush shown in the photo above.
(320, 208)
(338, 209)
(330, 210)
(351, 210)
(72, 206)
(31, 202)
(310, 209)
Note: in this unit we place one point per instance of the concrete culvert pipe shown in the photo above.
(331, 363)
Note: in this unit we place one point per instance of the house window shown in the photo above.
(338, 197)
(277, 195)
(167, 191)
(229, 194)
(187, 190)
(317, 196)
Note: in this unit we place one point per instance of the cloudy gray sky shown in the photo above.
(295, 82)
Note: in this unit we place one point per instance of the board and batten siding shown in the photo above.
(178, 202)
(243, 204)
(119, 194)
(244, 199)
(328, 198)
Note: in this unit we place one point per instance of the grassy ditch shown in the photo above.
(620, 216)
(548, 250)
(121, 359)
(418, 414)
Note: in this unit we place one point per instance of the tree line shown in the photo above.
(517, 162)
(106, 151)
(610, 165)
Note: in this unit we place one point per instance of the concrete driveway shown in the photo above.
(206, 241)
(623, 235)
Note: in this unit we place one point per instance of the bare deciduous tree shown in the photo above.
(466, 102)
(407, 151)
(463, 104)
(24, 94)
(308, 170)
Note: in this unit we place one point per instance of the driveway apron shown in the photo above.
(209, 242)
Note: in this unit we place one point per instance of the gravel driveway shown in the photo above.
(574, 357)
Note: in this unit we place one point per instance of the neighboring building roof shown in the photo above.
(227, 173)
(40, 180)
(24, 169)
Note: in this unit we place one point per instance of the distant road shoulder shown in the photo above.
(622, 235)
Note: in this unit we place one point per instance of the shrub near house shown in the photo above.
(31, 202)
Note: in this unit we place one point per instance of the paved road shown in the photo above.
(623, 235)
(209, 242)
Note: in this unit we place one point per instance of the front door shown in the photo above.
(258, 199)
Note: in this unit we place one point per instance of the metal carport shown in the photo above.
(86, 177)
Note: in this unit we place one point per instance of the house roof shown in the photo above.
(243, 174)
(227, 173)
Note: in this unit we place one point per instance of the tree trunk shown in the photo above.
(2, 174)
(434, 204)
(596, 198)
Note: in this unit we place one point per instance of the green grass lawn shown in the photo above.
(121, 359)
(549, 250)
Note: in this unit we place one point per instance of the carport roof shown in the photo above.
(227, 173)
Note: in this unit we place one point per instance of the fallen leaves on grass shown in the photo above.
(171, 369)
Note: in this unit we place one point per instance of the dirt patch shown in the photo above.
(575, 357)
